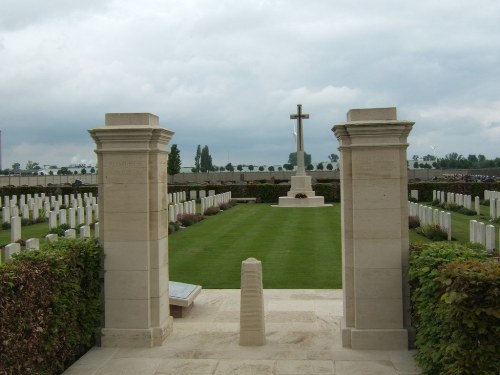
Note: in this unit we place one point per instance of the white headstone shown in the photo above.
(11, 249)
(490, 237)
(62, 217)
(51, 237)
(33, 244)
(472, 231)
(52, 219)
(15, 228)
(70, 233)
(96, 230)
(85, 231)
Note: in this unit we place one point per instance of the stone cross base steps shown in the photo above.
(301, 184)
(181, 298)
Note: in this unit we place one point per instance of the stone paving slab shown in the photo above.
(302, 333)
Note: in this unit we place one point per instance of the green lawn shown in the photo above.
(298, 247)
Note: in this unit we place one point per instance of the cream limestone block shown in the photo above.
(125, 168)
(372, 114)
(378, 283)
(377, 194)
(158, 224)
(160, 310)
(368, 165)
(131, 119)
(126, 226)
(128, 255)
(367, 255)
(158, 255)
(158, 196)
(118, 197)
(158, 279)
(379, 313)
(126, 284)
(157, 168)
(382, 339)
(376, 224)
(127, 313)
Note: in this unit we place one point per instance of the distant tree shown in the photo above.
(222, 169)
(75, 172)
(83, 171)
(51, 173)
(205, 160)
(310, 167)
(329, 166)
(64, 171)
(229, 167)
(320, 167)
(270, 169)
(239, 167)
(288, 167)
(251, 167)
(333, 158)
(32, 165)
(472, 158)
(415, 165)
(16, 168)
(92, 170)
(481, 158)
(280, 169)
(415, 157)
(261, 168)
(428, 157)
(292, 158)
(197, 159)
(174, 161)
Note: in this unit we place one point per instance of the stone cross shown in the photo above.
(300, 138)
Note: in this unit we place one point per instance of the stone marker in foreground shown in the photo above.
(252, 324)
(132, 181)
(374, 191)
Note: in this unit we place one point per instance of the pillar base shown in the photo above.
(136, 338)
(375, 339)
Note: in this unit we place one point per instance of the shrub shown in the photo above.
(5, 225)
(60, 230)
(173, 227)
(187, 220)
(433, 232)
(413, 222)
(455, 309)
(210, 211)
(411, 199)
(466, 211)
(227, 206)
(50, 306)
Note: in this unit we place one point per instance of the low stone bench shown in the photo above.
(247, 200)
(181, 298)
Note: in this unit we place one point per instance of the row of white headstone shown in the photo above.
(30, 207)
(181, 196)
(483, 234)
(431, 216)
(463, 200)
(189, 207)
(215, 200)
(34, 243)
(494, 198)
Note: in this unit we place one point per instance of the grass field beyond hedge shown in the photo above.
(298, 247)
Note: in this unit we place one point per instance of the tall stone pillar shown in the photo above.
(374, 190)
(132, 179)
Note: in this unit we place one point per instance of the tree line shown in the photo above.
(454, 160)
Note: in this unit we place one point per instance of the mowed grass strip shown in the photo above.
(298, 247)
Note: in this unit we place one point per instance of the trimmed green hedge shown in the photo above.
(50, 306)
(455, 294)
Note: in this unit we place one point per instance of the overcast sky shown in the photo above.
(228, 74)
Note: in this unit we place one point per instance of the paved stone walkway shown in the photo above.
(302, 333)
